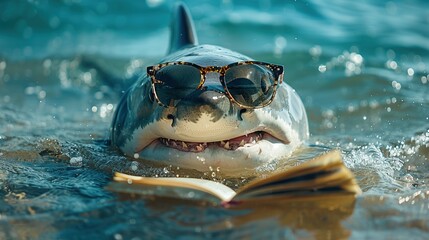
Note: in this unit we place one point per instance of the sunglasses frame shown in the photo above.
(277, 71)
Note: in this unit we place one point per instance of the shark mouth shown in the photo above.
(231, 144)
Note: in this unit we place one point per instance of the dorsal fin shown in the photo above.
(182, 29)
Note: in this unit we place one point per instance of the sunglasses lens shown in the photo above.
(251, 85)
(176, 82)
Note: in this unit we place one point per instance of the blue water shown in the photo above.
(361, 68)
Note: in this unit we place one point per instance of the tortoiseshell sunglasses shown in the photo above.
(249, 84)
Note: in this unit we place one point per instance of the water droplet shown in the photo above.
(279, 44)
(134, 165)
(351, 108)
(99, 95)
(42, 95)
(47, 63)
(87, 77)
(322, 68)
(76, 161)
(29, 90)
(191, 194)
(396, 85)
(2, 65)
(392, 64)
(356, 58)
(316, 51)
(373, 104)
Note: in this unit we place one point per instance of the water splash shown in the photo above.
(371, 165)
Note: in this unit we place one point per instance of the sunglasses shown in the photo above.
(249, 84)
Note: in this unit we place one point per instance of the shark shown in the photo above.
(206, 107)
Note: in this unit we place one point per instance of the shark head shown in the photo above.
(206, 129)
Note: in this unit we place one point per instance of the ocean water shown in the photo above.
(361, 68)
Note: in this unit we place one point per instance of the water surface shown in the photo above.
(361, 69)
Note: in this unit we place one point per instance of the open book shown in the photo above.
(322, 176)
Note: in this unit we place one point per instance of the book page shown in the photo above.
(316, 183)
(216, 189)
(312, 174)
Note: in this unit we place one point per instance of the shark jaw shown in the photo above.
(235, 150)
(230, 157)
(230, 144)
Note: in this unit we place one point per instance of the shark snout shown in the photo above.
(213, 103)
(207, 115)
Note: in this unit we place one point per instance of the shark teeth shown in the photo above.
(231, 144)
(200, 148)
